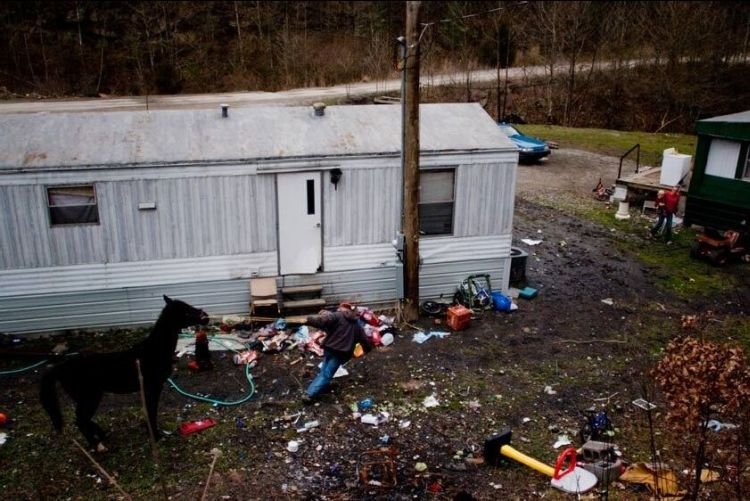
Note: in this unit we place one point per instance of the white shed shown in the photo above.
(103, 212)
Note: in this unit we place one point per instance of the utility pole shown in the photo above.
(411, 165)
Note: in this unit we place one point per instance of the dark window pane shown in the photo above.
(436, 219)
(72, 205)
(311, 196)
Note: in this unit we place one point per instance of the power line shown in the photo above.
(474, 14)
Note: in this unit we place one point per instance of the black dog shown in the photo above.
(88, 377)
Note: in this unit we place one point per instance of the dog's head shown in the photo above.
(185, 314)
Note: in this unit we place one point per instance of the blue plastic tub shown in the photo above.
(500, 301)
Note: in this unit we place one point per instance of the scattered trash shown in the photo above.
(3, 438)
(474, 405)
(249, 357)
(377, 465)
(420, 467)
(430, 401)
(644, 404)
(292, 446)
(528, 293)
(648, 474)
(596, 426)
(340, 372)
(561, 441)
(3, 419)
(420, 337)
(529, 241)
(309, 426)
(608, 301)
(717, 426)
(375, 419)
(525, 420)
(385, 439)
(196, 426)
(358, 351)
(459, 317)
(435, 487)
(365, 404)
(549, 391)
(387, 339)
(496, 486)
(404, 424)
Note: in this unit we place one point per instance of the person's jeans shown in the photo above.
(668, 228)
(331, 362)
(666, 220)
(659, 222)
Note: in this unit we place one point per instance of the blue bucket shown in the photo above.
(500, 301)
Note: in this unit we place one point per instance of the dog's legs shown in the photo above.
(86, 405)
(152, 394)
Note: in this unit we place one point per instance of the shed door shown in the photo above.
(300, 240)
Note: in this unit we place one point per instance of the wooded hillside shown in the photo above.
(693, 56)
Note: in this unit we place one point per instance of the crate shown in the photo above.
(459, 317)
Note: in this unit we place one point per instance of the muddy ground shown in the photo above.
(488, 377)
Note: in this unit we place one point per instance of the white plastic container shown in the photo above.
(674, 167)
(387, 339)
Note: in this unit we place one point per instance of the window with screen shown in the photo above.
(436, 189)
(72, 205)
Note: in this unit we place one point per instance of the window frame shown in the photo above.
(437, 170)
(50, 207)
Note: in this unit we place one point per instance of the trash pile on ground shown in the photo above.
(250, 342)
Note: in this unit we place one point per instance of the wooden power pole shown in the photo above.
(411, 165)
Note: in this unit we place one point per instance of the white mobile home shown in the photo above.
(104, 212)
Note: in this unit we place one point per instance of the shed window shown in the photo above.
(723, 158)
(436, 202)
(72, 205)
(746, 173)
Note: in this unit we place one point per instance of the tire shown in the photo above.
(718, 257)
(695, 248)
(432, 308)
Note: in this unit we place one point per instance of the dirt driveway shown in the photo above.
(533, 370)
(566, 171)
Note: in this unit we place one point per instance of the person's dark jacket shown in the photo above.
(342, 330)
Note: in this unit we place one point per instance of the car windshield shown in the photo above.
(509, 131)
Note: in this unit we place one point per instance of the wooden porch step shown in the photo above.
(302, 289)
(304, 303)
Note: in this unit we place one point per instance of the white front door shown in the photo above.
(300, 242)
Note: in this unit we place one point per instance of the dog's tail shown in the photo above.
(48, 396)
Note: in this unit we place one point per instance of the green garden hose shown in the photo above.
(212, 400)
(22, 369)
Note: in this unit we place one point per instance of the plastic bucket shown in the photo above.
(500, 301)
(517, 265)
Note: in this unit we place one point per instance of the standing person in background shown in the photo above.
(343, 332)
(671, 201)
(666, 207)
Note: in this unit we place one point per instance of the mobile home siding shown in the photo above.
(213, 183)
(194, 217)
(364, 208)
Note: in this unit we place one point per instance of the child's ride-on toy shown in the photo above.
(718, 247)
